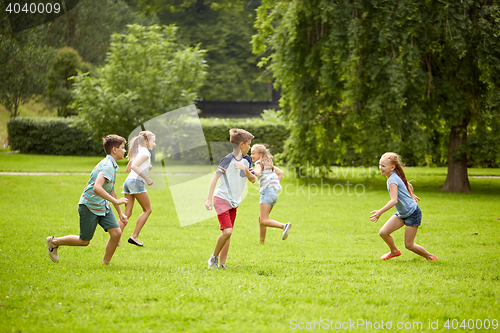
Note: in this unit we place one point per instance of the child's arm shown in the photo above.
(213, 182)
(135, 166)
(110, 197)
(257, 169)
(99, 182)
(129, 166)
(393, 189)
(251, 177)
(279, 172)
(123, 217)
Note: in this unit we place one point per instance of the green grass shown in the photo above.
(328, 268)
(78, 164)
(30, 109)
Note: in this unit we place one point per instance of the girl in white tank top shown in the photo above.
(134, 186)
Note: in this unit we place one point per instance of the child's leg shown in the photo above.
(262, 229)
(265, 221)
(71, 240)
(223, 253)
(129, 206)
(88, 223)
(114, 237)
(393, 224)
(143, 200)
(410, 233)
(224, 238)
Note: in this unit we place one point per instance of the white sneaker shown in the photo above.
(222, 267)
(213, 261)
(286, 230)
(52, 249)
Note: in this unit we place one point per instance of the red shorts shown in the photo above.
(225, 213)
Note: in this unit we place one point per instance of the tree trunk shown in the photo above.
(16, 106)
(457, 179)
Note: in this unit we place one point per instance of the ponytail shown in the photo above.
(142, 139)
(267, 158)
(396, 161)
(133, 148)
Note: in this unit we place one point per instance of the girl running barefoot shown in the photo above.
(407, 214)
(269, 178)
(134, 186)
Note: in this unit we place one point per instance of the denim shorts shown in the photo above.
(269, 196)
(414, 219)
(134, 186)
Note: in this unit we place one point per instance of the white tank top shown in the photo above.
(144, 166)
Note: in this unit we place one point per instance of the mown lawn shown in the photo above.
(328, 271)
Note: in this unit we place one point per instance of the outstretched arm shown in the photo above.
(393, 189)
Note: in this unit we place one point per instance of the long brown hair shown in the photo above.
(267, 158)
(396, 161)
(142, 139)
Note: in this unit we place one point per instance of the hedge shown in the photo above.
(51, 136)
(60, 136)
(216, 130)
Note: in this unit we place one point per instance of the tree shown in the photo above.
(24, 63)
(224, 28)
(88, 27)
(359, 78)
(66, 64)
(146, 74)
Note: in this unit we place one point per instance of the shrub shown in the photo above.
(51, 136)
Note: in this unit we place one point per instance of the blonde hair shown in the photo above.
(238, 135)
(142, 139)
(396, 161)
(267, 158)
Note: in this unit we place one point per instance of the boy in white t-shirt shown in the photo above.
(235, 169)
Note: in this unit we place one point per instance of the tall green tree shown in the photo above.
(88, 27)
(24, 63)
(146, 74)
(66, 64)
(359, 78)
(224, 28)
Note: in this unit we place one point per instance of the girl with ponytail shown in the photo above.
(269, 178)
(134, 186)
(407, 214)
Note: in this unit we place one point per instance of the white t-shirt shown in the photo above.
(144, 166)
(233, 180)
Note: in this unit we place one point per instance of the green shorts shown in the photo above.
(89, 221)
